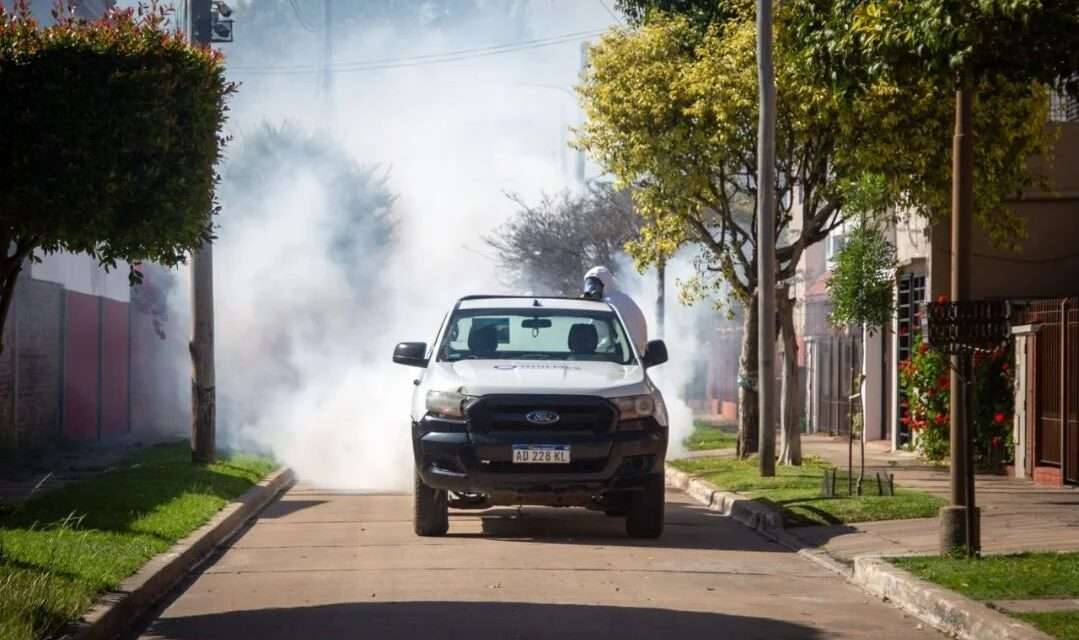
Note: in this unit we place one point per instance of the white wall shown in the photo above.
(79, 272)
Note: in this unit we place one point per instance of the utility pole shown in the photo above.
(581, 74)
(661, 297)
(203, 390)
(959, 520)
(766, 242)
(327, 49)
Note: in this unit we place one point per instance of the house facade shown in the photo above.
(1041, 280)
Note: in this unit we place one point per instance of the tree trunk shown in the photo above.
(790, 408)
(748, 410)
(10, 268)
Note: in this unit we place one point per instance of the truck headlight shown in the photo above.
(448, 404)
(630, 407)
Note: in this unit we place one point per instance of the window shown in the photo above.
(834, 245)
(1063, 108)
(527, 334)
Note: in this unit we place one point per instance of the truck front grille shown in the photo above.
(510, 413)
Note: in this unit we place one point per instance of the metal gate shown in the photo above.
(1055, 374)
(840, 360)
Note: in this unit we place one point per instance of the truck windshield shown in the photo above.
(533, 334)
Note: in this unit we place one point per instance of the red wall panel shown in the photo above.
(115, 368)
(81, 365)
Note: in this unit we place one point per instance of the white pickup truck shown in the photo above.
(538, 401)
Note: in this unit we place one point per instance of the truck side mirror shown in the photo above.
(655, 353)
(412, 354)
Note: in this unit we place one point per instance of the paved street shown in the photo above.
(322, 565)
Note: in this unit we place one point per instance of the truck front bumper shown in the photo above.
(450, 456)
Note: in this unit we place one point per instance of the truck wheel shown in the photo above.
(430, 515)
(644, 519)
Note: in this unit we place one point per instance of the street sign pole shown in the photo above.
(766, 244)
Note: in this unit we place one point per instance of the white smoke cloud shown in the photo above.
(452, 139)
(682, 325)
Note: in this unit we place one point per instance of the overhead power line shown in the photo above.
(426, 59)
(299, 16)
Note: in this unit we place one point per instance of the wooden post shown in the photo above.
(203, 385)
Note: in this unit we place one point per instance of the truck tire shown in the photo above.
(644, 519)
(430, 516)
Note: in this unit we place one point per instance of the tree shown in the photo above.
(862, 283)
(550, 246)
(671, 112)
(110, 132)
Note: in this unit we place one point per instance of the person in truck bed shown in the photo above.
(599, 284)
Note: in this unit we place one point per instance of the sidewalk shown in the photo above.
(1017, 515)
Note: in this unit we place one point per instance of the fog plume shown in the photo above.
(354, 207)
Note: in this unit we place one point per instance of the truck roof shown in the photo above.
(530, 302)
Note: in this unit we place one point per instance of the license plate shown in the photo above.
(541, 454)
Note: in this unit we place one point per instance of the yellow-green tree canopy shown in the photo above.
(672, 111)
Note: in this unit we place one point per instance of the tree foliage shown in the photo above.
(672, 112)
(549, 246)
(862, 282)
(110, 133)
(856, 42)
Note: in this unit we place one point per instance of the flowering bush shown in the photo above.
(925, 379)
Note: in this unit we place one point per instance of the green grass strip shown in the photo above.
(796, 491)
(1011, 577)
(60, 550)
(708, 436)
(1063, 625)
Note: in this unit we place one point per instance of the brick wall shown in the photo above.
(31, 369)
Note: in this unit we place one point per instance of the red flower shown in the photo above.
(942, 298)
(999, 418)
(943, 382)
(923, 348)
(997, 442)
(1004, 367)
(905, 420)
(940, 419)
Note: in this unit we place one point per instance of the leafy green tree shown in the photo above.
(110, 132)
(550, 245)
(672, 113)
(991, 49)
(862, 282)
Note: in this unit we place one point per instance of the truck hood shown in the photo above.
(480, 377)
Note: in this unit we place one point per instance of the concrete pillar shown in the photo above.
(873, 386)
(1019, 434)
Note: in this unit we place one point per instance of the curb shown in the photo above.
(115, 611)
(748, 512)
(944, 610)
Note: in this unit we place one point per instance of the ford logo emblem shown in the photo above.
(541, 416)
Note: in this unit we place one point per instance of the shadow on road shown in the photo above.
(473, 621)
(688, 526)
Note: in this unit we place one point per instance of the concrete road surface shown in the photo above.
(319, 564)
